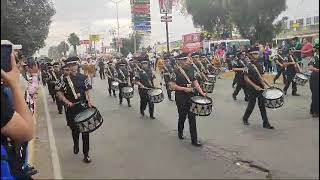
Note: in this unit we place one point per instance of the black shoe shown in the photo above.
(268, 126)
(196, 144)
(295, 94)
(142, 113)
(234, 97)
(274, 82)
(181, 136)
(284, 92)
(246, 123)
(120, 103)
(170, 99)
(129, 105)
(114, 95)
(315, 115)
(86, 159)
(151, 117)
(60, 112)
(75, 149)
(246, 99)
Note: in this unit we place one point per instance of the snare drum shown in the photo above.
(300, 79)
(88, 120)
(274, 97)
(127, 92)
(212, 78)
(155, 95)
(115, 85)
(201, 106)
(207, 87)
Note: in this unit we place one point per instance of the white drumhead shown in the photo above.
(127, 89)
(302, 76)
(201, 100)
(272, 93)
(84, 114)
(115, 83)
(155, 92)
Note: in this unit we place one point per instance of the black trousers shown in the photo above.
(238, 88)
(279, 72)
(288, 82)
(109, 87)
(314, 87)
(71, 114)
(131, 79)
(168, 90)
(122, 85)
(144, 100)
(183, 106)
(253, 96)
(52, 92)
(102, 75)
(234, 82)
(59, 104)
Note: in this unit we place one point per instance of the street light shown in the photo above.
(117, 2)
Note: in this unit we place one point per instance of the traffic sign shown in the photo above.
(142, 28)
(142, 23)
(165, 6)
(166, 18)
(141, 17)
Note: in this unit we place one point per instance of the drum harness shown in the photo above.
(185, 75)
(72, 87)
(109, 71)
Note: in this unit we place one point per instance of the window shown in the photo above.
(308, 21)
(316, 20)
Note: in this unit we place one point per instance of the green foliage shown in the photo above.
(63, 47)
(26, 22)
(253, 18)
(74, 41)
(54, 53)
(128, 44)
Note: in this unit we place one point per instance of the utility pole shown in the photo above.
(134, 41)
(167, 33)
(118, 27)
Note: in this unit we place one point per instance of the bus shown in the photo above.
(208, 45)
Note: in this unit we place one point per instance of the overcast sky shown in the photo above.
(86, 17)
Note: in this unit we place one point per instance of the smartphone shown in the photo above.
(6, 50)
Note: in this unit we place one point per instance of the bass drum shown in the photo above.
(201, 106)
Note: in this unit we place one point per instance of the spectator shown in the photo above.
(267, 62)
(16, 121)
(274, 51)
(306, 53)
(261, 57)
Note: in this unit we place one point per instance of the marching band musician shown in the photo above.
(256, 85)
(183, 81)
(54, 78)
(314, 83)
(144, 80)
(238, 68)
(131, 69)
(110, 72)
(198, 67)
(66, 72)
(74, 92)
(291, 72)
(123, 78)
(167, 71)
(51, 85)
(280, 67)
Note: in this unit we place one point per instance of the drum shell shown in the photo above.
(155, 98)
(274, 103)
(212, 78)
(203, 109)
(207, 87)
(90, 124)
(300, 81)
(127, 95)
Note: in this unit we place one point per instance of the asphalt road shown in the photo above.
(128, 146)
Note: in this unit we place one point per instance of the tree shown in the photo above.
(209, 15)
(26, 23)
(255, 19)
(63, 47)
(128, 44)
(54, 53)
(74, 41)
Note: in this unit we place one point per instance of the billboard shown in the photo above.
(191, 38)
(94, 37)
(84, 41)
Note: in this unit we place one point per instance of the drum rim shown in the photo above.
(211, 101)
(208, 83)
(112, 83)
(96, 110)
(303, 75)
(264, 92)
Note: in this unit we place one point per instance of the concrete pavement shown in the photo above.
(128, 146)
